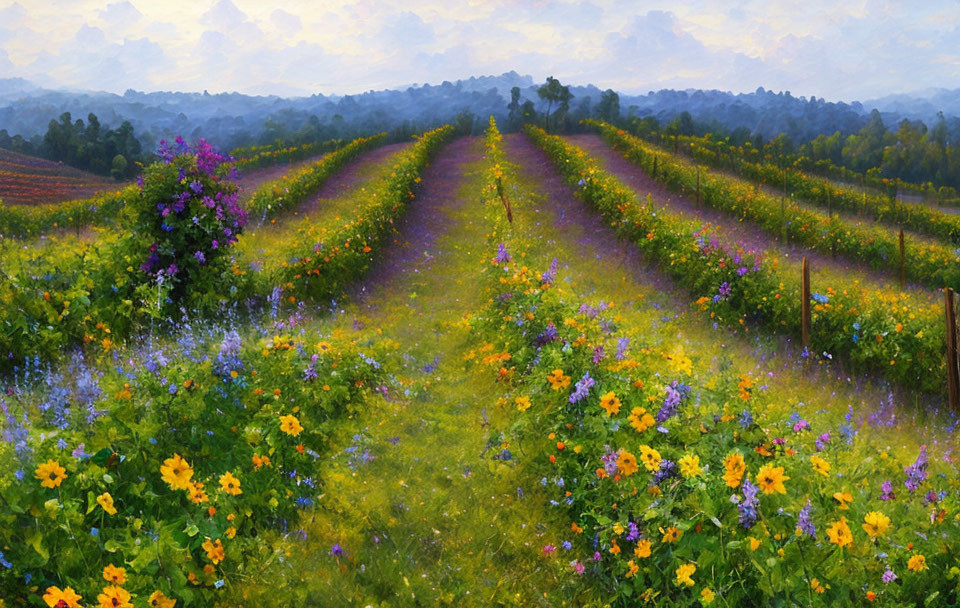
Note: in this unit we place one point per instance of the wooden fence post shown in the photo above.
(903, 263)
(506, 203)
(805, 304)
(953, 370)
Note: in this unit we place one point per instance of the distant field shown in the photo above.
(26, 180)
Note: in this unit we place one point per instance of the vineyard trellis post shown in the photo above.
(953, 364)
(503, 198)
(805, 303)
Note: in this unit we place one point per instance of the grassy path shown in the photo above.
(422, 498)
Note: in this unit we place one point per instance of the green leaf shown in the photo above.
(191, 530)
(36, 541)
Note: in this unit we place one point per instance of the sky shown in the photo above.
(840, 50)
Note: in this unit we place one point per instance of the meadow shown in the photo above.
(490, 370)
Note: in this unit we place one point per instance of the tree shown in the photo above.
(554, 93)
(513, 116)
(609, 107)
(118, 168)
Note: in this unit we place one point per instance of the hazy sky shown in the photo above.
(853, 49)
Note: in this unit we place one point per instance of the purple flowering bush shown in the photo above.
(187, 215)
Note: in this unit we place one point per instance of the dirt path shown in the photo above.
(733, 233)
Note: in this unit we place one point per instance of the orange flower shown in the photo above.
(112, 574)
(214, 549)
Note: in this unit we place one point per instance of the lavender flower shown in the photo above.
(502, 254)
(748, 506)
(551, 274)
(917, 472)
(888, 576)
(887, 489)
(804, 522)
(582, 388)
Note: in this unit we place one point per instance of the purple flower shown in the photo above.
(597, 354)
(888, 576)
(633, 532)
(748, 506)
(804, 522)
(502, 254)
(578, 567)
(200, 257)
(887, 489)
(622, 345)
(609, 461)
(746, 419)
(551, 274)
(582, 388)
(801, 425)
(336, 550)
(668, 469)
(822, 441)
(549, 549)
(917, 472)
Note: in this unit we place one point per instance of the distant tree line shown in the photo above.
(113, 152)
(912, 153)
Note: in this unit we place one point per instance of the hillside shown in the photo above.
(26, 180)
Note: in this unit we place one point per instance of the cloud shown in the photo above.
(120, 14)
(224, 15)
(406, 30)
(286, 22)
(830, 49)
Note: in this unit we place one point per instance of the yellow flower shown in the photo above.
(671, 535)
(839, 533)
(844, 498)
(231, 532)
(876, 524)
(230, 484)
(214, 550)
(106, 501)
(114, 597)
(523, 403)
(55, 595)
(754, 543)
(707, 596)
(159, 600)
(917, 563)
(770, 479)
(816, 586)
(290, 425)
(633, 568)
(50, 474)
(650, 458)
(734, 469)
(683, 574)
(642, 550)
(176, 472)
(197, 495)
(690, 465)
(112, 574)
(558, 380)
(610, 403)
(627, 463)
(640, 419)
(820, 465)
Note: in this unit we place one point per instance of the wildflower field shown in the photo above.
(494, 370)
